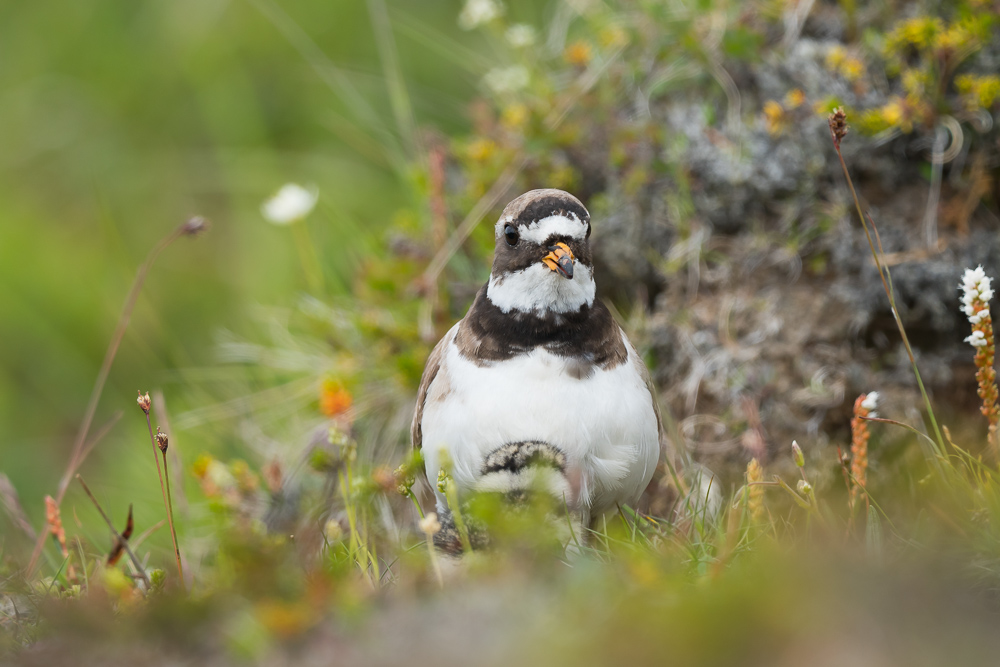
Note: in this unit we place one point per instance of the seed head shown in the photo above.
(430, 524)
(332, 531)
(144, 402)
(838, 125)
(161, 440)
(404, 480)
(442, 480)
(194, 226)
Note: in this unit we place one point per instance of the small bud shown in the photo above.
(144, 402)
(404, 480)
(442, 481)
(194, 226)
(804, 487)
(161, 440)
(430, 524)
(800, 459)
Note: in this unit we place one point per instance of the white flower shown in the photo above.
(292, 203)
(520, 35)
(871, 401)
(502, 80)
(430, 524)
(976, 287)
(976, 339)
(478, 12)
(972, 277)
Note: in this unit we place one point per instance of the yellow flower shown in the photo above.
(774, 116)
(515, 116)
(578, 53)
(613, 37)
(482, 149)
(979, 91)
(919, 31)
(852, 69)
(915, 81)
(892, 112)
(795, 98)
(836, 57)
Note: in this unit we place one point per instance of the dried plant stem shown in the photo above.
(164, 489)
(114, 531)
(883, 272)
(79, 451)
(170, 518)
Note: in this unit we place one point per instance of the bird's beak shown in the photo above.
(560, 259)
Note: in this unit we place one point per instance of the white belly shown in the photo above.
(605, 423)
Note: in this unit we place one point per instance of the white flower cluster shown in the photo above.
(478, 12)
(520, 35)
(975, 285)
(502, 80)
(292, 203)
(870, 403)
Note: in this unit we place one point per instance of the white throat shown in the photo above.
(539, 289)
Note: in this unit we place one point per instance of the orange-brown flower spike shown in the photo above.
(864, 407)
(54, 520)
(977, 291)
(755, 492)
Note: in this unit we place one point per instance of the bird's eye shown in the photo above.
(510, 233)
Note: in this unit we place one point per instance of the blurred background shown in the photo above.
(696, 133)
(120, 120)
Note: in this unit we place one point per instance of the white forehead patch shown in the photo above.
(538, 289)
(540, 231)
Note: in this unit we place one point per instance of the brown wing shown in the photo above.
(430, 372)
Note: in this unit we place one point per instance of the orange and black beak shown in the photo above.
(560, 259)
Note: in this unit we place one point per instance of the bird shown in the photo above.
(538, 385)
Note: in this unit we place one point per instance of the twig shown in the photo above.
(190, 227)
(128, 549)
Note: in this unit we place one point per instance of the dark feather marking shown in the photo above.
(588, 337)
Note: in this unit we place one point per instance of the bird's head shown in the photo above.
(542, 263)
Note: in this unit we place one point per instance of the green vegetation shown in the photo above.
(282, 347)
